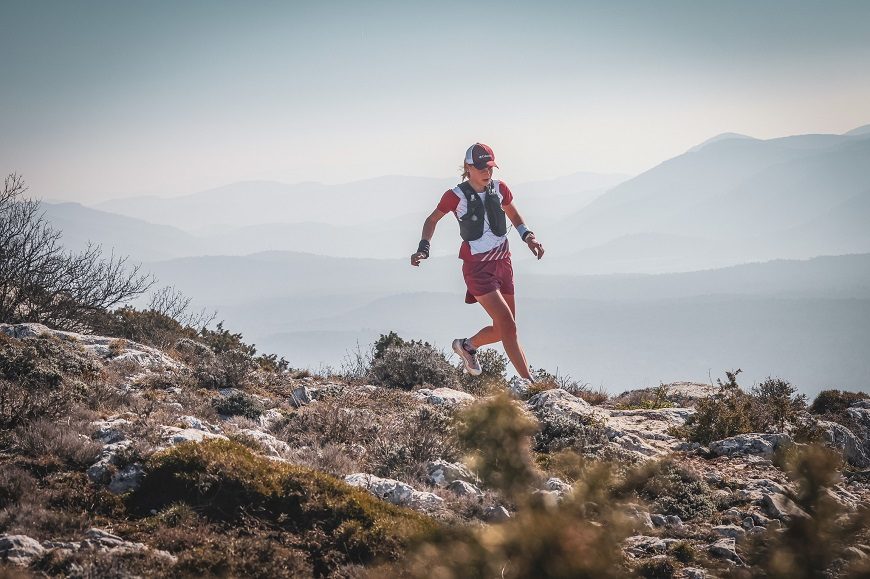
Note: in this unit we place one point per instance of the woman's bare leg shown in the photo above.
(488, 335)
(505, 327)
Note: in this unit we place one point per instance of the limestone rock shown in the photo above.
(639, 545)
(760, 444)
(173, 435)
(271, 445)
(444, 396)
(395, 492)
(442, 473)
(780, 506)
(496, 514)
(19, 549)
(464, 489)
(841, 438)
(127, 479)
(724, 549)
(730, 531)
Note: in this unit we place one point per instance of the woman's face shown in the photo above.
(479, 178)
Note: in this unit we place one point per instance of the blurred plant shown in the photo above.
(813, 545)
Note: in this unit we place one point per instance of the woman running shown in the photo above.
(481, 204)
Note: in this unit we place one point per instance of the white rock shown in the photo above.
(99, 471)
(442, 472)
(444, 396)
(730, 531)
(395, 492)
(755, 443)
(558, 485)
(19, 549)
(725, 549)
(496, 514)
(127, 479)
(172, 435)
(270, 418)
(111, 430)
(640, 545)
(272, 445)
(841, 438)
(464, 489)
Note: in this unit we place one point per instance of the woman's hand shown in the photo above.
(535, 247)
(416, 258)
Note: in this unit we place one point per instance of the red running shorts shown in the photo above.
(483, 277)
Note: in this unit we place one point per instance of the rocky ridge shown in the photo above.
(749, 494)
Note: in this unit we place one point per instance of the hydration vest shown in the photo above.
(471, 224)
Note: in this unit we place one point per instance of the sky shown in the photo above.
(119, 98)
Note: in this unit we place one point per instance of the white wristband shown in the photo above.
(522, 229)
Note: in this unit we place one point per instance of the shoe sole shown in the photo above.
(460, 351)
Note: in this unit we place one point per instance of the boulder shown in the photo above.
(724, 549)
(731, 531)
(780, 506)
(557, 485)
(19, 549)
(759, 444)
(127, 479)
(444, 396)
(640, 545)
(173, 435)
(496, 514)
(464, 489)
(844, 440)
(271, 445)
(442, 473)
(563, 403)
(395, 492)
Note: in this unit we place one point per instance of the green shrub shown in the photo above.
(646, 398)
(42, 377)
(672, 490)
(384, 343)
(776, 404)
(559, 432)
(659, 568)
(497, 434)
(811, 546)
(412, 364)
(225, 482)
(833, 403)
(239, 404)
(727, 413)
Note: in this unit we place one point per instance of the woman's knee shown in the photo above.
(506, 327)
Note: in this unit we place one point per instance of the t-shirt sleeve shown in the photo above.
(506, 196)
(449, 202)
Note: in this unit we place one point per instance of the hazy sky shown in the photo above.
(116, 98)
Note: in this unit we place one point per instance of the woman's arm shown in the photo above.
(517, 219)
(428, 232)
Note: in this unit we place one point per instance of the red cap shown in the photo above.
(480, 155)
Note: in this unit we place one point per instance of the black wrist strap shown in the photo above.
(423, 247)
(526, 234)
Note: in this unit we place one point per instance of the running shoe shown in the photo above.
(468, 355)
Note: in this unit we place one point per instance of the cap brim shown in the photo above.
(488, 164)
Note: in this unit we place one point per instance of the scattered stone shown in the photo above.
(558, 485)
(464, 489)
(395, 492)
(444, 396)
(642, 518)
(496, 514)
(658, 520)
(693, 573)
(441, 473)
(173, 435)
(760, 519)
(301, 396)
(674, 521)
(844, 440)
(127, 479)
(732, 514)
(111, 430)
(760, 444)
(747, 523)
(640, 545)
(731, 531)
(780, 506)
(271, 445)
(724, 549)
(19, 549)
(270, 418)
(110, 456)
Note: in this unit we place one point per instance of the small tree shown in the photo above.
(777, 403)
(40, 281)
